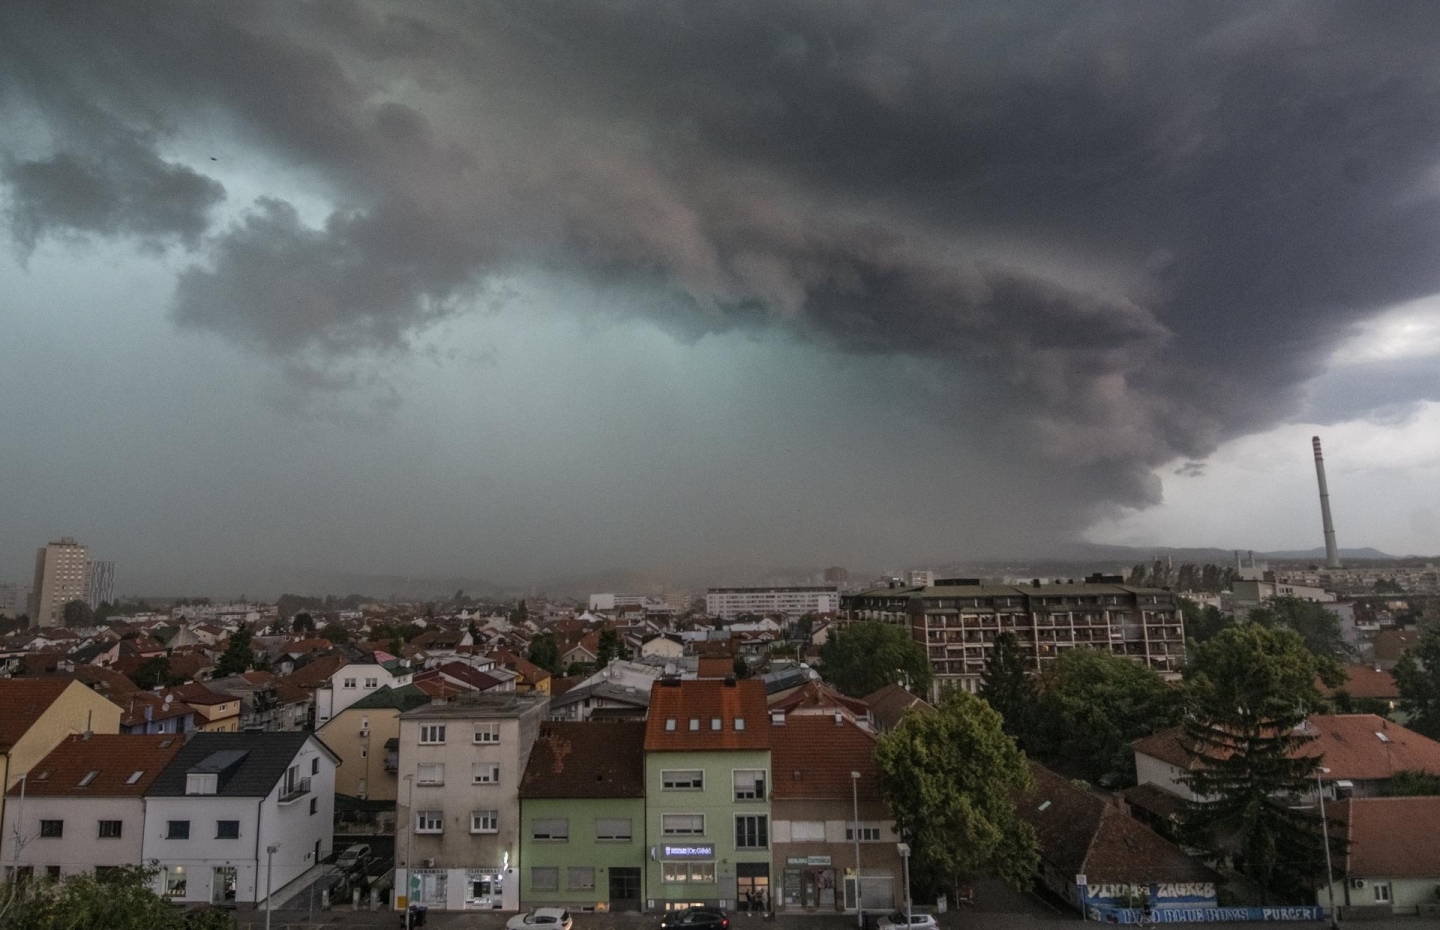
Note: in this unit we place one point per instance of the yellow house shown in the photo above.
(214, 712)
(531, 676)
(36, 714)
(363, 735)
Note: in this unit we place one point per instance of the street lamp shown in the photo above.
(270, 852)
(409, 846)
(904, 849)
(855, 831)
(1325, 833)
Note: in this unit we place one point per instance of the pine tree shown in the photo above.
(1006, 688)
(237, 657)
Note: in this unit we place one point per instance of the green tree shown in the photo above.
(1388, 586)
(78, 614)
(122, 899)
(335, 633)
(740, 668)
(155, 673)
(1318, 627)
(865, 657)
(608, 649)
(1408, 783)
(545, 653)
(1201, 623)
(1092, 705)
(1417, 676)
(238, 656)
(950, 778)
(521, 613)
(302, 623)
(1007, 688)
(1248, 691)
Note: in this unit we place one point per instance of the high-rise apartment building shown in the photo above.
(729, 603)
(99, 583)
(958, 619)
(60, 577)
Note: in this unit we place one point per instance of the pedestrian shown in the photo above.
(750, 903)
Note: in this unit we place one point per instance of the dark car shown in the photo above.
(696, 918)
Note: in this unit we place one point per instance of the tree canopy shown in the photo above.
(1201, 623)
(238, 656)
(864, 657)
(545, 653)
(1092, 705)
(1007, 688)
(1417, 676)
(302, 622)
(1318, 627)
(950, 778)
(608, 648)
(78, 614)
(123, 899)
(335, 633)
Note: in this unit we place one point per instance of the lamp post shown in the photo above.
(1325, 833)
(855, 831)
(409, 846)
(269, 862)
(904, 849)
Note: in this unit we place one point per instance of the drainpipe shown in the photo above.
(259, 809)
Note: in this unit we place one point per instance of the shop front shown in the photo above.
(808, 883)
(688, 876)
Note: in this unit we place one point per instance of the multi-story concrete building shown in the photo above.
(957, 621)
(83, 807)
(707, 768)
(99, 583)
(14, 599)
(60, 577)
(366, 737)
(351, 682)
(457, 836)
(729, 603)
(582, 816)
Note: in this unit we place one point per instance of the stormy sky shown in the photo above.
(521, 290)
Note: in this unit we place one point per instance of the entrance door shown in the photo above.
(222, 885)
(624, 889)
(752, 878)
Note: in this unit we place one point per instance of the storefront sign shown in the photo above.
(808, 860)
(1209, 915)
(704, 851)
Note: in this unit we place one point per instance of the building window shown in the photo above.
(683, 780)
(752, 831)
(1382, 894)
(315, 766)
(487, 732)
(694, 723)
(177, 830)
(682, 824)
(483, 773)
(52, 829)
(670, 724)
(484, 821)
(580, 878)
(431, 773)
(201, 784)
(869, 833)
(675, 873)
(555, 828)
(227, 829)
(546, 879)
(88, 777)
(739, 723)
(807, 831)
(750, 785)
(372, 682)
(429, 822)
(349, 683)
(619, 830)
(110, 829)
(432, 734)
(175, 879)
(314, 806)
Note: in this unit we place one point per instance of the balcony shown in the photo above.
(294, 791)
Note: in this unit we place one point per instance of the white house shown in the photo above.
(83, 807)
(225, 801)
(351, 682)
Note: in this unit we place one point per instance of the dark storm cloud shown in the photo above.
(1119, 232)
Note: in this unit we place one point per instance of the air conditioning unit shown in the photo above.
(1357, 883)
(364, 733)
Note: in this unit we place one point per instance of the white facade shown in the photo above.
(351, 683)
(203, 866)
(82, 844)
(729, 603)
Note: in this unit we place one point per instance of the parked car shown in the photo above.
(355, 856)
(542, 918)
(896, 921)
(696, 918)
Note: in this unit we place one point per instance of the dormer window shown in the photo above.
(714, 723)
(670, 724)
(201, 783)
(739, 723)
(134, 776)
(694, 723)
(88, 778)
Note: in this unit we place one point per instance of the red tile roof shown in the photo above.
(674, 705)
(317, 672)
(132, 708)
(587, 760)
(1390, 645)
(889, 704)
(1348, 744)
(114, 758)
(813, 695)
(529, 672)
(1391, 837)
(715, 667)
(197, 694)
(22, 701)
(1367, 681)
(812, 757)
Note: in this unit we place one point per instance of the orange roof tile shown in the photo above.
(682, 715)
(1367, 681)
(22, 701)
(1391, 837)
(114, 758)
(812, 757)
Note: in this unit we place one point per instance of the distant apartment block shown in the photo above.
(607, 602)
(14, 598)
(838, 576)
(99, 583)
(729, 603)
(59, 579)
(958, 619)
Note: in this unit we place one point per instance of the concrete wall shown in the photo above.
(333, 698)
(1152, 771)
(362, 773)
(1406, 894)
(80, 847)
(582, 849)
(878, 858)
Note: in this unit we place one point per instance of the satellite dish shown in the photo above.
(168, 699)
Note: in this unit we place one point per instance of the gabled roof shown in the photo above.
(529, 672)
(1081, 833)
(316, 673)
(1391, 837)
(23, 701)
(811, 756)
(587, 760)
(196, 694)
(402, 699)
(124, 766)
(266, 756)
(1390, 645)
(816, 695)
(889, 704)
(1367, 681)
(683, 714)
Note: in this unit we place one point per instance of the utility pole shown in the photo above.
(855, 831)
(409, 845)
(269, 870)
(904, 849)
(1325, 832)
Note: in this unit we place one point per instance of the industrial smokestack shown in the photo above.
(1332, 552)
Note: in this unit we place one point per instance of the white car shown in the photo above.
(542, 918)
(896, 921)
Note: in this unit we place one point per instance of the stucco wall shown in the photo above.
(80, 847)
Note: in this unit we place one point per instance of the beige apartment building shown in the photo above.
(366, 737)
(457, 829)
(59, 579)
